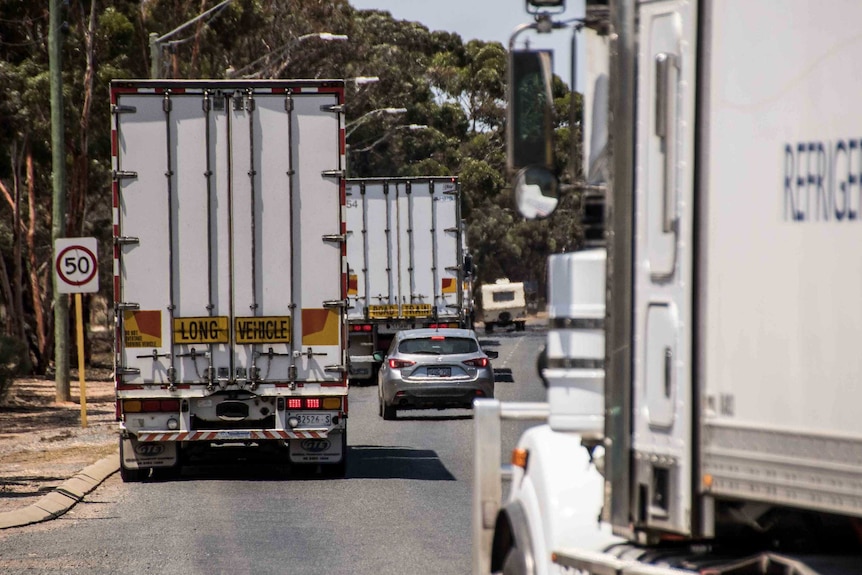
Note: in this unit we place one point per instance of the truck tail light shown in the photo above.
(294, 403)
(151, 406)
(361, 327)
(399, 363)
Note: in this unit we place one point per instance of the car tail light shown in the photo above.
(399, 363)
(478, 362)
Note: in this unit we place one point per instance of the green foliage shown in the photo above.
(454, 87)
(13, 362)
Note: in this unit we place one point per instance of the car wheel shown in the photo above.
(388, 412)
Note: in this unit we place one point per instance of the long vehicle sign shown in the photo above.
(201, 330)
(271, 329)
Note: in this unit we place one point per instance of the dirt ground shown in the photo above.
(43, 443)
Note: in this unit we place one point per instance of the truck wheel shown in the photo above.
(519, 326)
(388, 412)
(131, 475)
(489, 327)
(339, 470)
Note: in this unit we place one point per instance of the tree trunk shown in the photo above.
(41, 355)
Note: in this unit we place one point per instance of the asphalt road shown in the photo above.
(403, 508)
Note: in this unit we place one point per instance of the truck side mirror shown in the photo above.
(537, 192)
(530, 137)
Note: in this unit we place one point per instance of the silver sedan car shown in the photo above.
(433, 369)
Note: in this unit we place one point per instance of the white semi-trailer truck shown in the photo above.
(719, 431)
(408, 264)
(230, 276)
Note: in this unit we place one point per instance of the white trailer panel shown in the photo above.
(782, 313)
(230, 235)
(404, 249)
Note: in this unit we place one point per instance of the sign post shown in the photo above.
(76, 265)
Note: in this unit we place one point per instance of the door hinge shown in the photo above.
(117, 109)
(338, 368)
(121, 371)
(123, 174)
(332, 173)
(335, 303)
(334, 108)
(123, 306)
(126, 240)
(335, 238)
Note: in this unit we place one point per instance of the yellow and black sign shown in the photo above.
(270, 329)
(382, 311)
(201, 330)
(416, 310)
(142, 328)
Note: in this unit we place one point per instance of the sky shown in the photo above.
(488, 20)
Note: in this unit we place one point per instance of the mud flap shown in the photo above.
(143, 455)
(328, 450)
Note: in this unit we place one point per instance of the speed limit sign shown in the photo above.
(76, 265)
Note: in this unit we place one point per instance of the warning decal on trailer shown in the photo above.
(416, 310)
(201, 329)
(268, 329)
(320, 326)
(142, 328)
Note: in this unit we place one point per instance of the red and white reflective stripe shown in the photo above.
(226, 435)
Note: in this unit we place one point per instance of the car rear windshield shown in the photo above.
(439, 345)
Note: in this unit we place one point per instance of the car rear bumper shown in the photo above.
(439, 395)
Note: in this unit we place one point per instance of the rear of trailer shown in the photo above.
(229, 270)
(405, 252)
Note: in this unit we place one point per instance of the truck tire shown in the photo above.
(489, 326)
(339, 470)
(131, 475)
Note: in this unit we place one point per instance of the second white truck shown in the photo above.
(408, 266)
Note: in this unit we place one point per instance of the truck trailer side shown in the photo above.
(723, 134)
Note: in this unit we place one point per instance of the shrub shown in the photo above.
(13, 362)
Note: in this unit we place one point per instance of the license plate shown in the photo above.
(228, 435)
(314, 419)
(440, 372)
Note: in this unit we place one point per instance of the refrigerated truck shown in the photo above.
(719, 432)
(230, 275)
(407, 262)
